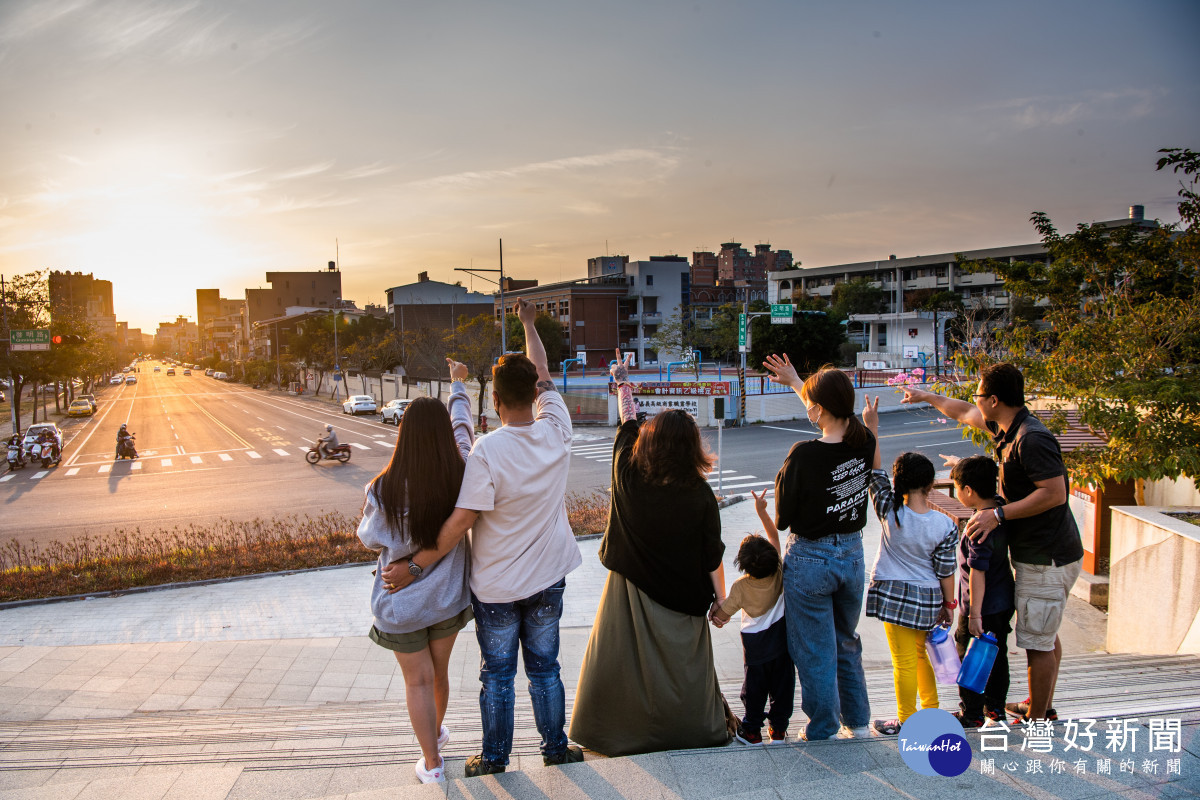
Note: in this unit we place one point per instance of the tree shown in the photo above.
(549, 330)
(811, 340)
(476, 343)
(858, 296)
(675, 339)
(1120, 337)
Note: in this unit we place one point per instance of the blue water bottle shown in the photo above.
(977, 664)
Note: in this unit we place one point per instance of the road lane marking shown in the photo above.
(281, 452)
(947, 444)
(220, 424)
(260, 419)
(747, 485)
(166, 462)
(40, 475)
(789, 430)
(225, 457)
(7, 477)
(197, 460)
(386, 445)
(280, 427)
(136, 465)
(72, 471)
(359, 446)
(253, 454)
(105, 468)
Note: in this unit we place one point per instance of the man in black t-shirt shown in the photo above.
(1044, 543)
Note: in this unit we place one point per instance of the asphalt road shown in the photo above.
(213, 450)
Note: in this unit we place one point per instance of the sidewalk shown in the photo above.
(269, 688)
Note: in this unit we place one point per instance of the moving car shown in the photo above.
(170, 370)
(393, 410)
(80, 408)
(130, 379)
(116, 380)
(157, 368)
(187, 372)
(359, 404)
(32, 432)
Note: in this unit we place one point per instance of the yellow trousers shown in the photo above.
(911, 670)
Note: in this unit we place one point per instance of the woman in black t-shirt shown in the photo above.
(648, 681)
(821, 497)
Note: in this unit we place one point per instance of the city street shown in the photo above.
(212, 450)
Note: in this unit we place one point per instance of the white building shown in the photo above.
(658, 291)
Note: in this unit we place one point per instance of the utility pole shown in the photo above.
(12, 401)
(473, 271)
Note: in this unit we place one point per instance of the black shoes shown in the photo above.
(478, 765)
(572, 755)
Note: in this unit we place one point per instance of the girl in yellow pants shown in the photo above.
(912, 582)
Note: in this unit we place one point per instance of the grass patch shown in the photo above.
(128, 558)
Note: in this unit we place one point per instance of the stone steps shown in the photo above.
(377, 733)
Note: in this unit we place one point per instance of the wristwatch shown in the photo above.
(998, 512)
(414, 569)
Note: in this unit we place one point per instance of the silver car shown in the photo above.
(394, 410)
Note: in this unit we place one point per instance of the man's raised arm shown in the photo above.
(957, 410)
(534, 348)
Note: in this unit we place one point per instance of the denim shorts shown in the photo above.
(1042, 591)
(417, 641)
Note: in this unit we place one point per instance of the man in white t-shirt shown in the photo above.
(512, 500)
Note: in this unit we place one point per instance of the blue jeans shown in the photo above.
(533, 624)
(823, 584)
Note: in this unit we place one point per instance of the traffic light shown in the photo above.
(67, 339)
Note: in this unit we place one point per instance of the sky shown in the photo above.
(170, 146)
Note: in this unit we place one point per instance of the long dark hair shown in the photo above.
(832, 390)
(424, 475)
(668, 449)
(910, 472)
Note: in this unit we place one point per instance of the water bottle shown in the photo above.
(943, 655)
(977, 664)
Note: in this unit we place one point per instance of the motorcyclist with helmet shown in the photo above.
(327, 443)
(122, 433)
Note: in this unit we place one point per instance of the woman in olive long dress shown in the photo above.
(648, 681)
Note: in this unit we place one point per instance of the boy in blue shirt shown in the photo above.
(986, 591)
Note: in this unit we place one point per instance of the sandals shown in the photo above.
(886, 727)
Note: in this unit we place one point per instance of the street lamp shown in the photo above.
(337, 367)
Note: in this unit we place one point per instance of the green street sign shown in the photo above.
(29, 339)
(781, 313)
(742, 332)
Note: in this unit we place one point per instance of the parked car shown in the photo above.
(359, 404)
(393, 410)
(3, 397)
(91, 398)
(221, 376)
(80, 408)
(130, 379)
(208, 372)
(125, 369)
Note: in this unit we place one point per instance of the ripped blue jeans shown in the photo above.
(532, 624)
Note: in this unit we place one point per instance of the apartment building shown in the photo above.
(433, 304)
(901, 336)
(86, 295)
(312, 289)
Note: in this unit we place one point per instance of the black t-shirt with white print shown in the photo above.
(822, 488)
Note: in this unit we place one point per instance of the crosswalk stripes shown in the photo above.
(72, 471)
(225, 456)
(197, 460)
(729, 478)
(166, 462)
(41, 474)
(359, 446)
(253, 454)
(136, 465)
(281, 451)
(8, 477)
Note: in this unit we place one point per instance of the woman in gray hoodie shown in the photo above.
(405, 507)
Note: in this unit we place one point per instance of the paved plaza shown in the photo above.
(269, 687)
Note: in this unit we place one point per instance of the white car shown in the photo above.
(393, 410)
(32, 432)
(116, 380)
(359, 404)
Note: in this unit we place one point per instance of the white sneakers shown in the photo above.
(437, 774)
(864, 732)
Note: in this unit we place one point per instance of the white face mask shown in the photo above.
(808, 414)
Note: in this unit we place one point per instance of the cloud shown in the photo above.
(366, 171)
(656, 165)
(305, 172)
(37, 16)
(1040, 112)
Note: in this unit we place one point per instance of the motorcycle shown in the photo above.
(15, 461)
(340, 453)
(126, 449)
(46, 452)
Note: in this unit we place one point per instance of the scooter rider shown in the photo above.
(121, 434)
(328, 442)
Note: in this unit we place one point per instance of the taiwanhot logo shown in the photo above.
(932, 743)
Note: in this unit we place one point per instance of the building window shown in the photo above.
(649, 280)
(882, 336)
